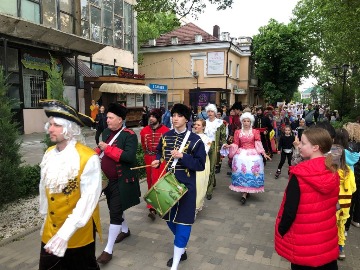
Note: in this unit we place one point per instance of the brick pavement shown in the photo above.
(226, 235)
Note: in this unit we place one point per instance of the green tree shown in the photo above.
(55, 83)
(10, 158)
(296, 97)
(181, 8)
(151, 27)
(330, 29)
(280, 60)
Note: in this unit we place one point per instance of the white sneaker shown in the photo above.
(345, 233)
(356, 224)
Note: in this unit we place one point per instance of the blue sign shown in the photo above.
(158, 87)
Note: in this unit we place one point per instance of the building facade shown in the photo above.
(87, 38)
(199, 68)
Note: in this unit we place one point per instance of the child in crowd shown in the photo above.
(305, 230)
(347, 188)
(286, 148)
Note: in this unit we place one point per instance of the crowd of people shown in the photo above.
(323, 187)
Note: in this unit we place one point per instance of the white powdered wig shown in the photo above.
(211, 107)
(247, 115)
(70, 129)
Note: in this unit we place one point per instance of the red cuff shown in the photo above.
(97, 150)
(113, 152)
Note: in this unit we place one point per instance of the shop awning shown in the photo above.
(82, 68)
(120, 88)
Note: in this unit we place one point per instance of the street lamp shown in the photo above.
(344, 75)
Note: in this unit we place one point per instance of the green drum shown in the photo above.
(166, 192)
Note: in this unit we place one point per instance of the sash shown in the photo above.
(181, 148)
(111, 142)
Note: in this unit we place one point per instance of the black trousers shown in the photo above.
(355, 205)
(112, 192)
(329, 266)
(97, 135)
(82, 258)
(283, 158)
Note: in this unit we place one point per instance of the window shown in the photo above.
(230, 68)
(109, 70)
(30, 10)
(109, 22)
(66, 16)
(97, 68)
(128, 21)
(237, 71)
(33, 87)
(49, 13)
(8, 7)
(95, 23)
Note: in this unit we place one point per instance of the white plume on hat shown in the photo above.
(211, 107)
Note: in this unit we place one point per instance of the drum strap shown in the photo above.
(181, 149)
(111, 142)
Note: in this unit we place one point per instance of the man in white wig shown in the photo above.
(70, 188)
(216, 131)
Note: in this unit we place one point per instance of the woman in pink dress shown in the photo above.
(247, 166)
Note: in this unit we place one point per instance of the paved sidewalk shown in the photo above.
(226, 235)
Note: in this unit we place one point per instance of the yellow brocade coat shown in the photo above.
(61, 205)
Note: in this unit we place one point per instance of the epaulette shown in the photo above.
(129, 130)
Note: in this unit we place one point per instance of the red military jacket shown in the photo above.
(150, 138)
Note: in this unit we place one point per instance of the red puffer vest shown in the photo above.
(312, 239)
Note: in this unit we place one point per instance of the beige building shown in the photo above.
(199, 68)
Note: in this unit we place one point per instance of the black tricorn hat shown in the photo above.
(182, 110)
(56, 108)
(118, 109)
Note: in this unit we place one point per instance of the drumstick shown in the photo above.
(167, 164)
(140, 167)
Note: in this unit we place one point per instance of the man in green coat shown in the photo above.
(216, 130)
(117, 151)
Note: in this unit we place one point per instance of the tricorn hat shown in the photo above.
(118, 109)
(182, 110)
(56, 108)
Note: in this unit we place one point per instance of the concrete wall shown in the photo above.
(34, 120)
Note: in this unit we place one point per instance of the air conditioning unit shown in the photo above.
(235, 87)
(195, 74)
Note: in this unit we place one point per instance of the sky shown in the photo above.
(246, 17)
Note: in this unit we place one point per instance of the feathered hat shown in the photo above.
(56, 108)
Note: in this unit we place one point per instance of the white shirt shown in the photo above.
(90, 189)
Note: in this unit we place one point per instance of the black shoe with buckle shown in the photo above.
(209, 196)
(183, 258)
(277, 174)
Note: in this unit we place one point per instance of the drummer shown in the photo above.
(150, 137)
(187, 162)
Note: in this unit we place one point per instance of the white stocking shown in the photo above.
(114, 230)
(124, 225)
(177, 256)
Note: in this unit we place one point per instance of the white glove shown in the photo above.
(56, 246)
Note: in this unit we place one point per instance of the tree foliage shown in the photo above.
(10, 158)
(280, 60)
(331, 29)
(153, 26)
(182, 8)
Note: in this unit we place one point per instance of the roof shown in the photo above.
(82, 68)
(186, 35)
